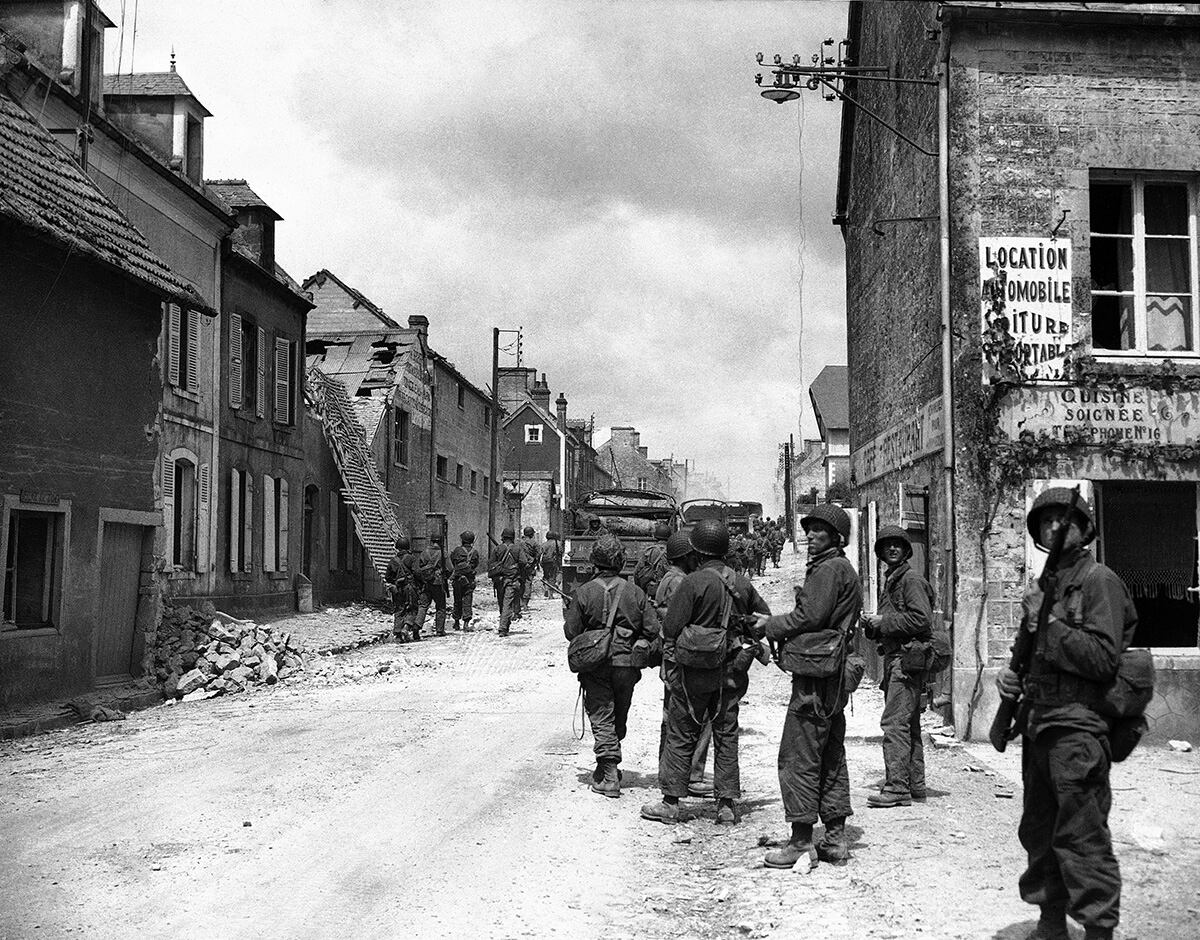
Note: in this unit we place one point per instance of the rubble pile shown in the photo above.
(200, 654)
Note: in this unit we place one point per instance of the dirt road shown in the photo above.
(438, 790)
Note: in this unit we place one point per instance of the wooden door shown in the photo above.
(120, 569)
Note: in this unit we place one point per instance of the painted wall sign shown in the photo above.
(1025, 291)
(1102, 415)
(901, 444)
(415, 390)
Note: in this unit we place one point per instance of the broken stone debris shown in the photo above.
(1182, 746)
(199, 652)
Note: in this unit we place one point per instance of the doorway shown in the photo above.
(120, 577)
(312, 496)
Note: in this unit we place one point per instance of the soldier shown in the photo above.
(610, 602)
(464, 563)
(1066, 755)
(814, 640)
(653, 563)
(401, 580)
(552, 553)
(431, 576)
(502, 569)
(529, 557)
(711, 601)
(758, 552)
(904, 628)
(735, 557)
(777, 540)
(682, 563)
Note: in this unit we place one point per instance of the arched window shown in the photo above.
(185, 489)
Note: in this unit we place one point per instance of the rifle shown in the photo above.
(1010, 715)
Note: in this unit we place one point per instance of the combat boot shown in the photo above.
(467, 628)
(834, 846)
(887, 799)
(799, 846)
(661, 811)
(1052, 924)
(1092, 932)
(726, 815)
(608, 784)
(457, 625)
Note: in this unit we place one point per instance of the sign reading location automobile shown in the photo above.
(1025, 291)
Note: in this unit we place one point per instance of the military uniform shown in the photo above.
(430, 570)
(670, 582)
(651, 567)
(502, 569)
(464, 563)
(552, 552)
(529, 558)
(400, 577)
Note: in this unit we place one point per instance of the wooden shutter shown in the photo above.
(203, 506)
(235, 361)
(173, 314)
(260, 399)
(332, 550)
(268, 523)
(235, 517)
(283, 524)
(193, 367)
(283, 381)
(168, 491)
(248, 523)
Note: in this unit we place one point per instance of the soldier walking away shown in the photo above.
(653, 563)
(904, 630)
(402, 586)
(528, 558)
(502, 569)
(713, 641)
(813, 645)
(1066, 750)
(431, 576)
(619, 616)
(552, 553)
(758, 551)
(464, 563)
(777, 540)
(683, 561)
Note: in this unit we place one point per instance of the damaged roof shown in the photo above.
(329, 318)
(43, 188)
(151, 85)
(238, 195)
(366, 365)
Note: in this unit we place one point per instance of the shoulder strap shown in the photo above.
(612, 598)
(727, 608)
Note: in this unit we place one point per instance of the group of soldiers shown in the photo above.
(703, 623)
(749, 552)
(418, 580)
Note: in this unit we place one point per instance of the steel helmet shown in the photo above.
(435, 538)
(1060, 496)
(833, 516)
(508, 534)
(403, 544)
(661, 531)
(608, 553)
(468, 537)
(710, 537)
(678, 545)
(527, 531)
(896, 534)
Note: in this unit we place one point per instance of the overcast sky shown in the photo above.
(604, 175)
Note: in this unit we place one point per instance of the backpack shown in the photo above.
(701, 647)
(591, 649)
(651, 568)
(1124, 701)
(426, 568)
(498, 563)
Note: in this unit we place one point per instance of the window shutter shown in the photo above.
(283, 524)
(248, 524)
(268, 523)
(235, 361)
(193, 368)
(282, 381)
(235, 517)
(173, 313)
(204, 485)
(168, 491)
(260, 400)
(331, 551)
(204, 494)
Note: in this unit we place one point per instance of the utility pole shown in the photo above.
(790, 509)
(495, 455)
(85, 85)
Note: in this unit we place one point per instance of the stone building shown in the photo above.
(1071, 137)
(537, 451)
(628, 461)
(830, 397)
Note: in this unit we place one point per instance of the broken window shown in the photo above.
(401, 429)
(1143, 265)
(32, 568)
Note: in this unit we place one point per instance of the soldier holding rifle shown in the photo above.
(1078, 620)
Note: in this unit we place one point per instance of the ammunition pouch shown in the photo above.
(817, 655)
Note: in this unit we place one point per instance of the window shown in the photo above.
(533, 434)
(443, 468)
(487, 416)
(182, 479)
(487, 486)
(474, 481)
(1143, 249)
(284, 361)
(183, 348)
(462, 396)
(241, 519)
(401, 430)
(33, 562)
(458, 476)
(275, 523)
(643, 483)
(246, 377)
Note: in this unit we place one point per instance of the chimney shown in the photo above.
(514, 384)
(540, 393)
(560, 405)
(625, 437)
(420, 324)
(645, 452)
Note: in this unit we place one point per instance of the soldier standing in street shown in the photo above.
(552, 552)
(903, 627)
(1066, 754)
(400, 577)
(814, 641)
(502, 569)
(609, 602)
(431, 576)
(777, 540)
(528, 558)
(653, 563)
(711, 602)
(464, 563)
(683, 562)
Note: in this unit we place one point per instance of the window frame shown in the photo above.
(1137, 181)
(62, 551)
(459, 475)
(462, 397)
(474, 481)
(401, 416)
(530, 437)
(441, 468)
(182, 365)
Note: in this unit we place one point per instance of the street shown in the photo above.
(439, 790)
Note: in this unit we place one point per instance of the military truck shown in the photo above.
(631, 515)
(696, 510)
